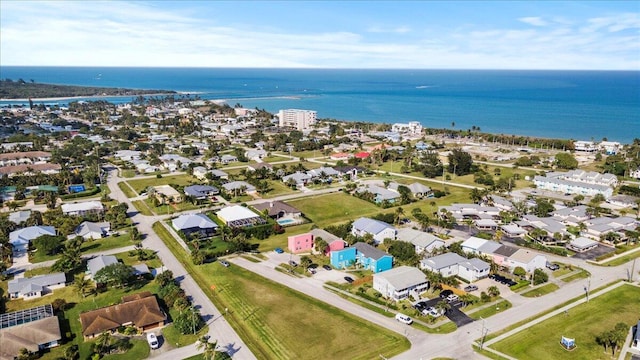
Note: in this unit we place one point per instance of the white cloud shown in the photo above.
(532, 20)
(132, 34)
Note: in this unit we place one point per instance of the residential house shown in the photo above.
(486, 224)
(141, 311)
(571, 216)
(335, 243)
(555, 231)
(306, 242)
(167, 194)
(99, 262)
(278, 209)
(559, 184)
(21, 238)
(513, 231)
(199, 224)
(323, 173)
(364, 255)
(582, 244)
(461, 212)
(380, 194)
(227, 158)
(478, 246)
(238, 187)
(452, 264)
(380, 230)
(255, 154)
(502, 254)
(423, 241)
(400, 283)
(35, 287)
(48, 168)
(300, 243)
(24, 158)
(19, 217)
(201, 192)
(92, 230)
(298, 178)
(173, 162)
(351, 172)
(33, 329)
(527, 259)
(341, 156)
(83, 208)
(598, 227)
(261, 165)
(239, 216)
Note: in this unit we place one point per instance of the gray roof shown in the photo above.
(328, 171)
(416, 237)
(29, 233)
(582, 243)
(140, 269)
(370, 225)
(369, 251)
(94, 265)
(325, 235)
(189, 221)
(403, 277)
(584, 185)
(443, 261)
(418, 188)
(19, 216)
(298, 177)
(200, 190)
(475, 264)
(88, 227)
(36, 283)
(505, 250)
(489, 247)
(381, 192)
(233, 185)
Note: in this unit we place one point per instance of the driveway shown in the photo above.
(594, 253)
(457, 316)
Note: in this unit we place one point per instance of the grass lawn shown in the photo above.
(126, 189)
(277, 322)
(278, 188)
(169, 208)
(108, 243)
(133, 260)
(334, 208)
(280, 240)
(128, 173)
(621, 260)
(491, 310)
(142, 207)
(139, 185)
(542, 290)
(584, 323)
(173, 337)
(583, 274)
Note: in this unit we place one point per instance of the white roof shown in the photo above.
(473, 243)
(582, 242)
(82, 206)
(403, 277)
(29, 233)
(236, 212)
(188, 221)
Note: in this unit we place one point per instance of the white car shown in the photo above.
(433, 312)
(452, 297)
(404, 319)
(153, 341)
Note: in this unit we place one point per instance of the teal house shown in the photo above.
(365, 255)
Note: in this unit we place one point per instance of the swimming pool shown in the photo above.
(285, 221)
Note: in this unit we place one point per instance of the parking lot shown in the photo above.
(594, 253)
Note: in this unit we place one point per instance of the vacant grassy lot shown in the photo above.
(329, 209)
(542, 290)
(139, 185)
(584, 322)
(277, 322)
(126, 189)
(104, 244)
(277, 188)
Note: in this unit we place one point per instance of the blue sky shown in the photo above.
(323, 34)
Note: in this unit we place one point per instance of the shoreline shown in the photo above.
(89, 97)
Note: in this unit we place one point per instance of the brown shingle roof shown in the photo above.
(5, 170)
(140, 312)
(24, 154)
(276, 207)
(28, 336)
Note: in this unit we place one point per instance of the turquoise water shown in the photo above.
(566, 104)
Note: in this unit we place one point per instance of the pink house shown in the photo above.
(305, 242)
(301, 243)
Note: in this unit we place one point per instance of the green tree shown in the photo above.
(305, 261)
(165, 278)
(117, 275)
(540, 277)
(443, 306)
(493, 291)
(543, 207)
(431, 165)
(82, 285)
(402, 251)
(49, 244)
(565, 160)
(321, 245)
(460, 162)
(208, 348)
(103, 343)
(188, 321)
(519, 271)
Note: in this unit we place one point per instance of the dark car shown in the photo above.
(326, 267)
(445, 293)
(348, 279)
(293, 263)
(420, 306)
(552, 266)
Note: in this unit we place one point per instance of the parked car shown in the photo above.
(470, 288)
(326, 267)
(404, 319)
(445, 293)
(348, 279)
(224, 263)
(278, 250)
(311, 271)
(432, 311)
(420, 306)
(153, 341)
(552, 266)
(293, 263)
(452, 298)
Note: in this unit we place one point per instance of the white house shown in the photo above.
(379, 229)
(452, 264)
(423, 241)
(526, 259)
(21, 238)
(35, 287)
(400, 282)
(91, 230)
(83, 208)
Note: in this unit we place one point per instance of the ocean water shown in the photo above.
(580, 105)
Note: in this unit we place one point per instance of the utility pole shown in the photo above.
(485, 330)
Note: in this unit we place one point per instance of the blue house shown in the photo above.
(367, 256)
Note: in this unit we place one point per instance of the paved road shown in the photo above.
(219, 329)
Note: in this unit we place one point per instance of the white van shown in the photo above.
(404, 319)
(152, 340)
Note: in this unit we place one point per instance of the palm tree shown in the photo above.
(82, 285)
(103, 343)
(398, 215)
(208, 348)
(493, 291)
(443, 306)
